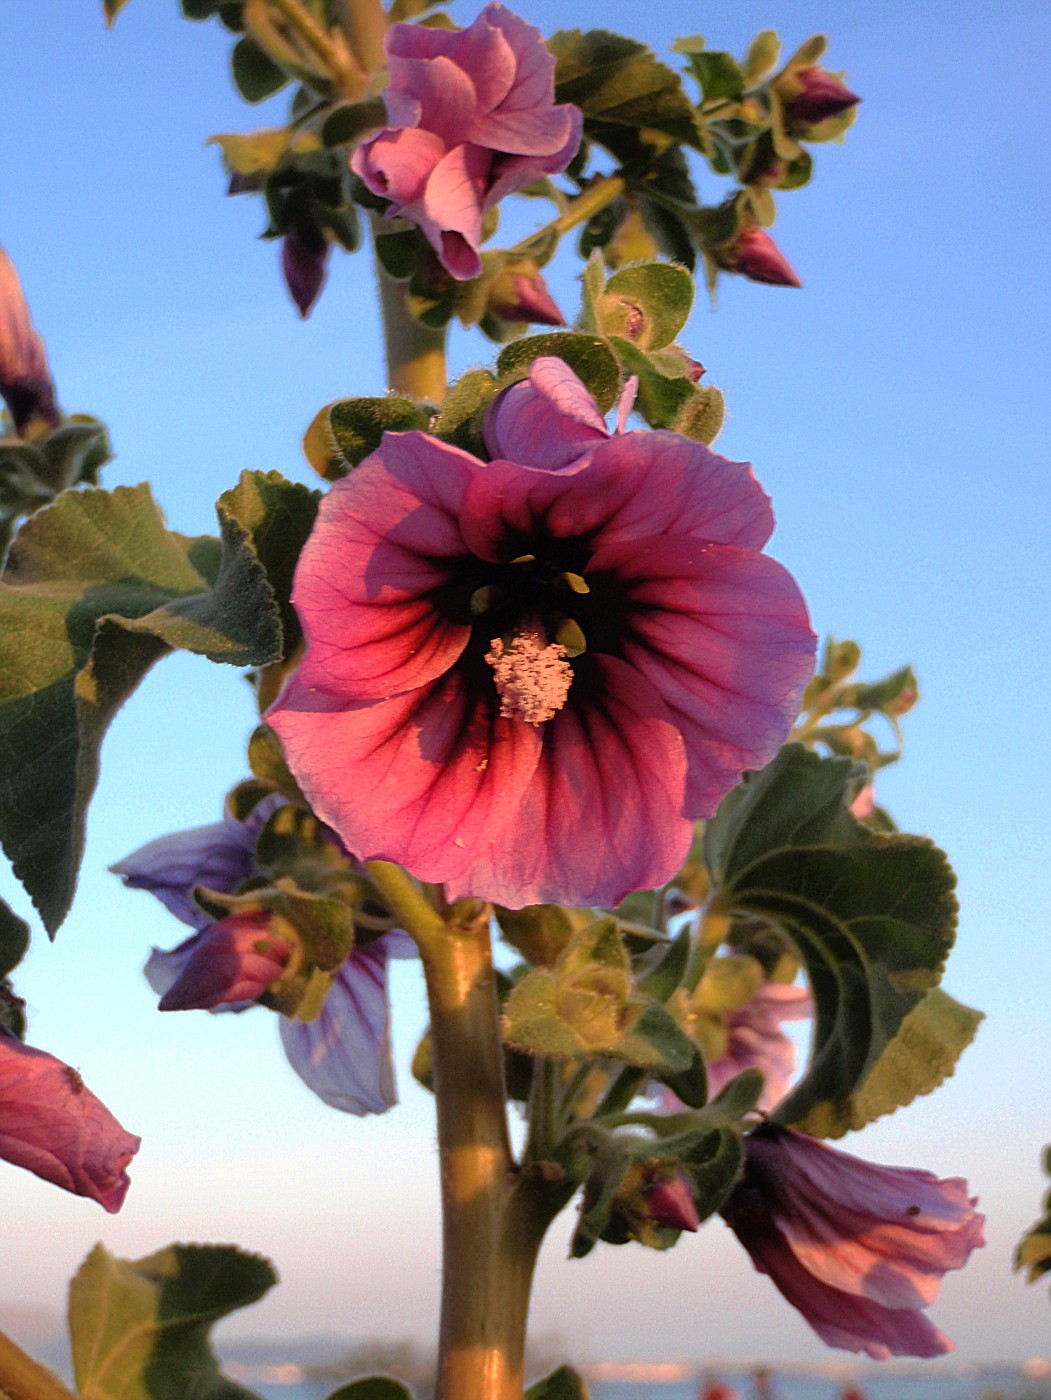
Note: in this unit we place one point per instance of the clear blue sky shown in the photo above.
(895, 410)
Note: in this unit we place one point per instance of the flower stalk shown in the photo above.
(22, 1378)
(416, 363)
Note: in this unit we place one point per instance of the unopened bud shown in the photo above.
(812, 95)
(233, 960)
(669, 1202)
(755, 255)
(25, 380)
(519, 293)
(304, 261)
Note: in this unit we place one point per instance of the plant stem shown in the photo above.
(22, 1378)
(415, 353)
(364, 22)
(493, 1217)
(589, 202)
(332, 54)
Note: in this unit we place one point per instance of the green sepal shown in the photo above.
(690, 1084)
(96, 590)
(763, 53)
(253, 152)
(256, 76)
(587, 355)
(701, 415)
(373, 1388)
(618, 81)
(14, 939)
(459, 420)
(660, 396)
(540, 932)
(664, 965)
(140, 1327)
(344, 433)
(563, 1384)
(325, 923)
(658, 294)
(266, 758)
(398, 252)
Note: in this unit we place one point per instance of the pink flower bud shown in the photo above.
(815, 95)
(56, 1128)
(517, 295)
(755, 255)
(25, 380)
(304, 262)
(233, 960)
(669, 1202)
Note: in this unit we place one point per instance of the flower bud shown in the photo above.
(812, 95)
(233, 960)
(668, 1202)
(25, 380)
(519, 293)
(304, 262)
(755, 255)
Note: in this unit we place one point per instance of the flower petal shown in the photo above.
(397, 164)
(449, 211)
(445, 93)
(345, 1055)
(232, 962)
(548, 420)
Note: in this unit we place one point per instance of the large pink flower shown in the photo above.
(472, 118)
(527, 682)
(56, 1128)
(859, 1249)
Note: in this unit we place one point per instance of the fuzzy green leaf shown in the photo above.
(14, 939)
(345, 432)
(587, 355)
(139, 1327)
(658, 296)
(373, 1388)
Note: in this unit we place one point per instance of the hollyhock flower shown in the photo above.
(525, 681)
(471, 119)
(812, 95)
(56, 1128)
(859, 1249)
(25, 380)
(755, 1040)
(755, 255)
(344, 1055)
(549, 418)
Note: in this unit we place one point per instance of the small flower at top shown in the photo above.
(25, 379)
(859, 1249)
(472, 118)
(55, 1127)
(526, 677)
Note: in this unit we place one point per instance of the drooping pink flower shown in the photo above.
(56, 1128)
(472, 118)
(25, 379)
(527, 682)
(812, 95)
(859, 1249)
(756, 1040)
(344, 1055)
(755, 255)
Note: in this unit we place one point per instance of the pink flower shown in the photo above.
(757, 1041)
(25, 380)
(472, 118)
(56, 1128)
(859, 1249)
(813, 95)
(233, 960)
(525, 681)
(755, 255)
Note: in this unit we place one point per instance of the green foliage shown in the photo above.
(587, 355)
(255, 74)
(96, 590)
(373, 1388)
(459, 420)
(563, 1384)
(1034, 1249)
(139, 1327)
(14, 939)
(873, 918)
(345, 432)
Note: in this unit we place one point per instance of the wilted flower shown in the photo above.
(755, 255)
(304, 262)
(755, 1040)
(25, 380)
(527, 682)
(56, 1128)
(811, 95)
(859, 1249)
(472, 119)
(344, 1054)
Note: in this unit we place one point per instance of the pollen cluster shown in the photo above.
(532, 676)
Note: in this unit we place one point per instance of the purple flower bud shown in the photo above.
(233, 960)
(668, 1201)
(522, 295)
(814, 96)
(755, 255)
(858, 1248)
(56, 1128)
(25, 380)
(304, 262)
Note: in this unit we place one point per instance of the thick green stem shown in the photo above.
(22, 1378)
(416, 362)
(493, 1216)
(364, 22)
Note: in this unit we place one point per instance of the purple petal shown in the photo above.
(445, 94)
(397, 164)
(548, 420)
(304, 261)
(449, 212)
(232, 962)
(345, 1055)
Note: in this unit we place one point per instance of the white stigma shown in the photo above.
(532, 677)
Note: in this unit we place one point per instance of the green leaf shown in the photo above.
(701, 415)
(763, 53)
(460, 418)
(719, 75)
(617, 81)
(661, 397)
(139, 1327)
(351, 120)
(345, 432)
(589, 356)
(659, 293)
(253, 152)
(373, 1388)
(96, 590)
(563, 1384)
(14, 939)
(255, 74)
(921, 1056)
(1034, 1249)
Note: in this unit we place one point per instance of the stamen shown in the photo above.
(532, 677)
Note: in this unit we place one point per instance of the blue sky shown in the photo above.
(895, 411)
